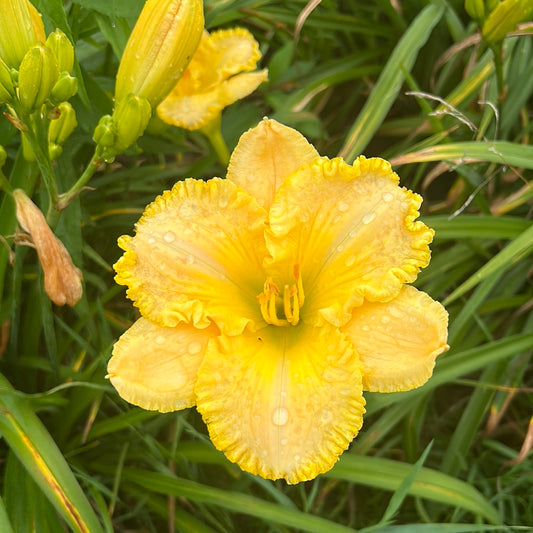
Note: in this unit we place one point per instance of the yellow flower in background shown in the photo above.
(219, 74)
(272, 299)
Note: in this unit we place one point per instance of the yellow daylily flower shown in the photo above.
(272, 299)
(219, 74)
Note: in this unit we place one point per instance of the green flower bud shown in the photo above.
(7, 91)
(476, 10)
(104, 134)
(504, 18)
(38, 73)
(3, 156)
(131, 116)
(65, 87)
(61, 128)
(60, 44)
(20, 28)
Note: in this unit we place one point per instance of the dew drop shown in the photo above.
(297, 458)
(369, 217)
(283, 442)
(387, 197)
(385, 319)
(343, 206)
(350, 261)
(169, 237)
(280, 415)
(340, 248)
(160, 339)
(150, 240)
(194, 348)
(366, 327)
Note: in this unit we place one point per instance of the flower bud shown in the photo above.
(60, 44)
(7, 91)
(504, 18)
(159, 49)
(104, 134)
(27, 151)
(65, 87)
(38, 73)
(476, 10)
(62, 280)
(3, 156)
(131, 116)
(20, 28)
(61, 128)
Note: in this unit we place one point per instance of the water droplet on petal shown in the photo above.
(280, 415)
(169, 236)
(194, 348)
(343, 206)
(350, 261)
(283, 442)
(387, 197)
(297, 458)
(366, 327)
(160, 339)
(385, 319)
(150, 240)
(369, 217)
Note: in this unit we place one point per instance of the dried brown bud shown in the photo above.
(62, 280)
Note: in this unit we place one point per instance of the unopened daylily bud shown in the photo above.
(38, 73)
(504, 18)
(7, 91)
(131, 117)
(104, 133)
(65, 87)
(159, 49)
(476, 10)
(3, 156)
(60, 44)
(27, 150)
(62, 280)
(60, 129)
(20, 28)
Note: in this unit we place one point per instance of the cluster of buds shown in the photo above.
(33, 69)
(159, 49)
(496, 18)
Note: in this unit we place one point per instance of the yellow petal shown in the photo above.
(195, 111)
(283, 403)
(155, 368)
(265, 156)
(197, 257)
(350, 231)
(398, 341)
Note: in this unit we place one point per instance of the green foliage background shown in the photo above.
(409, 81)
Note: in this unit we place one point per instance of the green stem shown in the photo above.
(64, 199)
(4, 183)
(213, 133)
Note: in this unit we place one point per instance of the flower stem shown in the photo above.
(213, 133)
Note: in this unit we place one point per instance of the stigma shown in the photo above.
(282, 309)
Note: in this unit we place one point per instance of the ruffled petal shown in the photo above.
(265, 156)
(350, 232)
(197, 110)
(398, 341)
(196, 257)
(283, 403)
(155, 368)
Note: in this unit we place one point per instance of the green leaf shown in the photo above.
(429, 484)
(36, 450)
(389, 83)
(114, 8)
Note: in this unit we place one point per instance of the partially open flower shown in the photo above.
(219, 74)
(62, 280)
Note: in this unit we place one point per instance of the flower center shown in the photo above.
(273, 305)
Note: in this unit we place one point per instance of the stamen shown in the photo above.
(298, 277)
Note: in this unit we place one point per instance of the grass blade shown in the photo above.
(390, 81)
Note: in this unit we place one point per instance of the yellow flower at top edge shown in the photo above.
(273, 298)
(219, 74)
